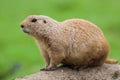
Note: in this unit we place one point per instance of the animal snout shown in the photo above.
(24, 29)
(22, 26)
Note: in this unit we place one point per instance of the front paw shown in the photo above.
(48, 69)
(43, 69)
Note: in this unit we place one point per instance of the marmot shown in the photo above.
(74, 42)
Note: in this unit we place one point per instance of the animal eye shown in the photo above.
(44, 21)
(34, 20)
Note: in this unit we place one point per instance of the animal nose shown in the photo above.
(22, 26)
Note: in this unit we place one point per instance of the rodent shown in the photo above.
(74, 42)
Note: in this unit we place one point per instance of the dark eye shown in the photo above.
(34, 20)
(44, 21)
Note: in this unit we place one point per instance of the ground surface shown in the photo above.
(105, 72)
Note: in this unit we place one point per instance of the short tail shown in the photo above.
(111, 61)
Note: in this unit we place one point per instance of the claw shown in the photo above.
(43, 69)
(48, 69)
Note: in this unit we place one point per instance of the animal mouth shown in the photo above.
(25, 30)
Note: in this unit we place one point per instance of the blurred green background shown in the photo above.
(19, 55)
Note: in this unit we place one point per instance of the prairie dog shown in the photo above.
(74, 42)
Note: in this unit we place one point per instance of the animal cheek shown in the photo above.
(37, 28)
(37, 33)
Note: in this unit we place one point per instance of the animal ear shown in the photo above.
(44, 21)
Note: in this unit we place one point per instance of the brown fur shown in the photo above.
(74, 42)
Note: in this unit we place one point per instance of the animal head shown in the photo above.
(35, 24)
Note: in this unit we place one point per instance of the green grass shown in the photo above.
(19, 48)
